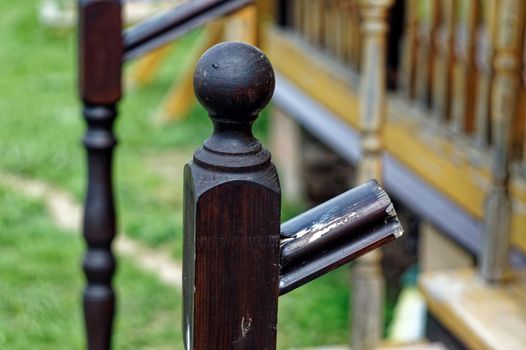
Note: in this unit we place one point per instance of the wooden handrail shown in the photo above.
(161, 29)
(334, 233)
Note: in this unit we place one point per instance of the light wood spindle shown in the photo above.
(441, 96)
(504, 98)
(367, 280)
(408, 51)
(426, 19)
(483, 62)
(463, 67)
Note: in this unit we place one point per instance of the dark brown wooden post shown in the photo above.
(100, 57)
(232, 210)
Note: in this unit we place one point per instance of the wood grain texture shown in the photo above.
(232, 209)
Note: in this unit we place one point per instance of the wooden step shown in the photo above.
(479, 315)
(415, 346)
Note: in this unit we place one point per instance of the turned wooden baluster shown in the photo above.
(523, 155)
(329, 28)
(346, 23)
(504, 100)
(367, 280)
(483, 62)
(314, 21)
(297, 15)
(426, 14)
(442, 66)
(343, 30)
(463, 88)
(100, 57)
(406, 80)
(353, 35)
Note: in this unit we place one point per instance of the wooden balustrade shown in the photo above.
(446, 64)
(458, 115)
(446, 55)
(329, 25)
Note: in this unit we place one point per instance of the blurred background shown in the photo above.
(422, 97)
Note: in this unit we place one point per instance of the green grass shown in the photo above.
(41, 282)
(40, 132)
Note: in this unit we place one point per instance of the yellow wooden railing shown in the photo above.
(456, 113)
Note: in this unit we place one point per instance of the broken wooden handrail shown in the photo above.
(334, 233)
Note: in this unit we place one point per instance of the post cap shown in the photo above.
(234, 81)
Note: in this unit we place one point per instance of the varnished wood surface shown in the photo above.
(232, 210)
(100, 57)
(336, 232)
(481, 316)
(100, 51)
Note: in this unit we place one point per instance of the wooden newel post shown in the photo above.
(237, 257)
(232, 209)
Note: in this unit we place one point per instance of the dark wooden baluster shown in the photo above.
(100, 57)
(232, 210)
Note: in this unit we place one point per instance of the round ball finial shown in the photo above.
(234, 81)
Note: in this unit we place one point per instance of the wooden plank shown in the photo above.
(400, 180)
(482, 317)
(293, 59)
(459, 180)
